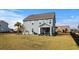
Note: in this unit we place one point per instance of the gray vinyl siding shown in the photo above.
(4, 27)
(35, 26)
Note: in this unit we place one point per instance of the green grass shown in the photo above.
(32, 42)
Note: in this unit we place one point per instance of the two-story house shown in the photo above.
(40, 24)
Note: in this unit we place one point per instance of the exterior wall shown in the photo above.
(4, 27)
(35, 26)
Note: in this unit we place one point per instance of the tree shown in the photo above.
(19, 26)
(65, 30)
(22, 28)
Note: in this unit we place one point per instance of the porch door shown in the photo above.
(45, 30)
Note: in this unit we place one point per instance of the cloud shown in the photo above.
(11, 17)
(72, 16)
(72, 22)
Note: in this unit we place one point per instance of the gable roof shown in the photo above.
(40, 16)
(44, 24)
(1, 21)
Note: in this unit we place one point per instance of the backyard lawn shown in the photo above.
(34, 42)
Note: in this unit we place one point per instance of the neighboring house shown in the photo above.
(4, 26)
(62, 29)
(78, 27)
(40, 24)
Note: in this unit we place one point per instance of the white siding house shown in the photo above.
(4, 26)
(40, 24)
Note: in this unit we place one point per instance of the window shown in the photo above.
(39, 22)
(50, 22)
(32, 30)
(32, 22)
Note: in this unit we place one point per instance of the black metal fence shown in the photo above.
(75, 37)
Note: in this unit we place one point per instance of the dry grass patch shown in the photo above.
(30, 42)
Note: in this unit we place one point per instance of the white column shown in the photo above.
(39, 30)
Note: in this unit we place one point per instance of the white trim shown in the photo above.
(39, 30)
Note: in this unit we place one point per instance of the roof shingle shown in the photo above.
(40, 16)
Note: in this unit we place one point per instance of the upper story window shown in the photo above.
(39, 22)
(32, 22)
(50, 22)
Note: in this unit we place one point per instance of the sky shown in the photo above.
(65, 17)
